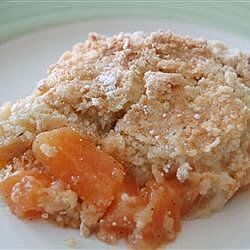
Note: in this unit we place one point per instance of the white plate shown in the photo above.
(23, 63)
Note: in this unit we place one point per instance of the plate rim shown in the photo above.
(18, 17)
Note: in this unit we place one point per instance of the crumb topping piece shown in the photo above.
(48, 150)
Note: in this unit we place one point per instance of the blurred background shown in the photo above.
(20, 16)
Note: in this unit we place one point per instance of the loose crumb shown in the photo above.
(71, 243)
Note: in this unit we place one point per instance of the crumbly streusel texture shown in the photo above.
(161, 104)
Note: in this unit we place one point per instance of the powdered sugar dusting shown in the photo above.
(183, 172)
(108, 80)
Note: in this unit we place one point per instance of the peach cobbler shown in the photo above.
(128, 135)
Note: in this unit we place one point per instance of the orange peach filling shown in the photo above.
(24, 192)
(147, 216)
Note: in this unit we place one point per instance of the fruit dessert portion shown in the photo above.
(128, 135)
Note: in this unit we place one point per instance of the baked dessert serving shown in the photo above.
(128, 135)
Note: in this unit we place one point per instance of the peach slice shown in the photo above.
(74, 159)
